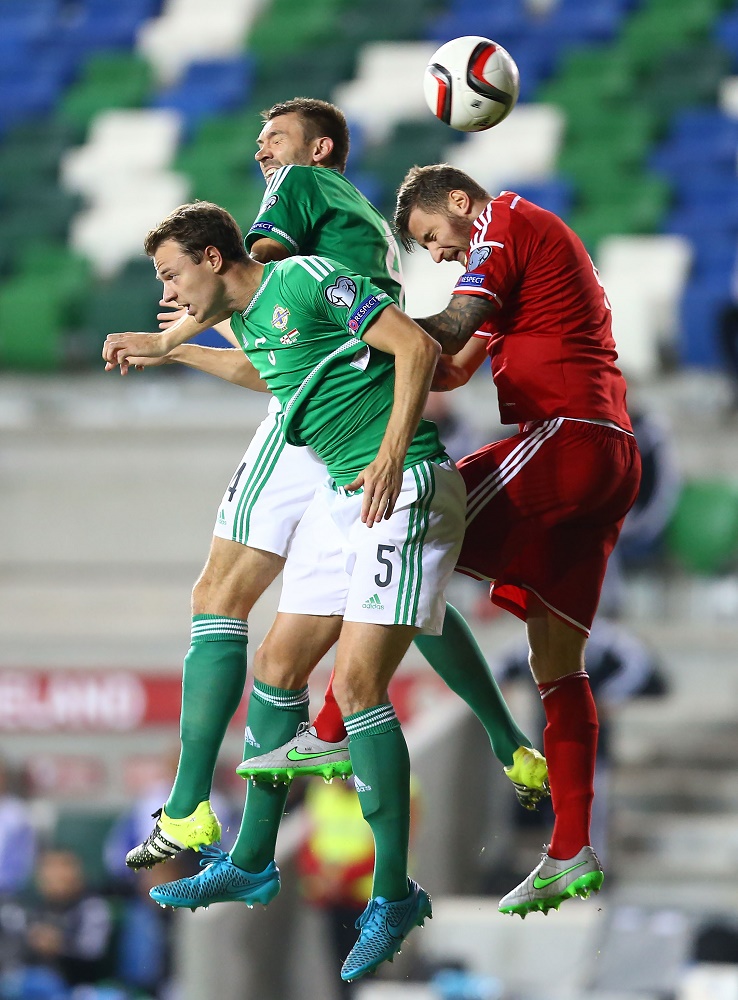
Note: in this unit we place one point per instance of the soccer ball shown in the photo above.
(471, 83)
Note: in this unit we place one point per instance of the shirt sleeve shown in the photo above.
(288, 210)
(352, 302)
(492, 264)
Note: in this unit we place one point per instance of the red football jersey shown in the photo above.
(550, 343)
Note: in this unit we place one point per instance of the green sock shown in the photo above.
(381, 766)
(457, 659)
(212, 685)
(274, 715)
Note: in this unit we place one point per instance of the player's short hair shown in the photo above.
(196, 226)
(318, 118)
(428, 188)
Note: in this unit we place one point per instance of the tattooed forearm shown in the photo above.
(461, 318)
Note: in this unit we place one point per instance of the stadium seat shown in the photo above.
(522, 149)
(469, 931)
(554, 194)
(110, 234)
(507, 22)
(411, 142)
(110, 26)
(699, 311)
(200, 32)
(109, 80)
(703, 532)
(387, 88)
(292, 28)
(20, 303)
(206, 88)
(121, 142)
(319, 70)
(644, 277)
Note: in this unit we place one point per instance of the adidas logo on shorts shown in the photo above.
(221, 516)
(360, 786)
(373, 604)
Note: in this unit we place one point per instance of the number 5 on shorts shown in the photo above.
(382, 552)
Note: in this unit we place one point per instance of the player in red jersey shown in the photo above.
(546, 505)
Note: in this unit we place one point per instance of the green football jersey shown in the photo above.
(303, 332)
(316, 210)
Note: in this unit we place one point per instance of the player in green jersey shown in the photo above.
(310, 207)
(351, 372)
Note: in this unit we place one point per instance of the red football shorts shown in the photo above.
(544, 511)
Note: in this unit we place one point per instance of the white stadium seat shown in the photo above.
(523, 148)
(189, 30)
(644, 278)
(121, 142)
(388, 87)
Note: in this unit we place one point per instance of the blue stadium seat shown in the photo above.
(699, 313)
(536, 58)
(712, 191)
(19, 28)
(208, 87)
(104, 27)
(505, 22)
(369, 185)
(714, 256)
(555, 195)
(598, 21)
(726, 33)
(26, 97)
(694, 222)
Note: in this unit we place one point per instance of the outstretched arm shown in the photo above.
(462, 317)
(230, 364)
(120, 347)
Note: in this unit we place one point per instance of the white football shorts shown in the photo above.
(270, 490)
(394, 573)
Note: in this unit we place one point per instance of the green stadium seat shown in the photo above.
(703, 533)
(411, 142)
(110, 80)
(31, 326)
(288, 26)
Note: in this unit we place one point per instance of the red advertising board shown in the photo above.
(52, 701)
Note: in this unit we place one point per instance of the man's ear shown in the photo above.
(322, 149)
(214, 258)
(459, 202)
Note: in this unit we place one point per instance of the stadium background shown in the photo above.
(112, 112)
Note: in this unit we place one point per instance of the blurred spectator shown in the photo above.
(458, 435)
(645, 525)
(716, 939)
(63, 935)
(336, 860)
(620, 667)
(728, 338)
(134, 825)
(144, 938)
(17, 837)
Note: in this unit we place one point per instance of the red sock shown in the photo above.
(329, 720)
(570, 745)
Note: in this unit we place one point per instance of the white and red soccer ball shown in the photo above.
(471, 83)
